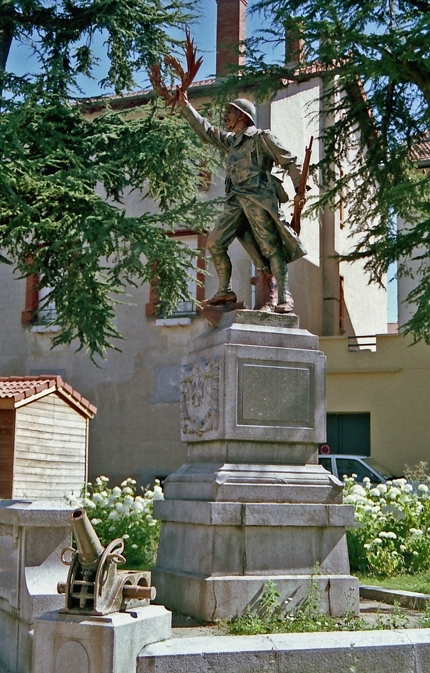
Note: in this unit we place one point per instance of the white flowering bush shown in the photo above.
(392, 530)
(119, 512)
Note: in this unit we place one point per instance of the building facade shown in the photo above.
(137, 428)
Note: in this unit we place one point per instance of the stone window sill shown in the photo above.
(45, 328)
(172, 322)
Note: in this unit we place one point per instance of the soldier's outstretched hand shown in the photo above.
(299, 201)
(182, 97)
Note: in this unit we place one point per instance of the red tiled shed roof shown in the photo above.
(421, 151)
(16, 391)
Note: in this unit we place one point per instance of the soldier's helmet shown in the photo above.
(244, 106)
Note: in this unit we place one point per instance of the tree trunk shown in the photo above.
(6, 37)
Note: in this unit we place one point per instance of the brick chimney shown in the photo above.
(294, 42)
(231, 29)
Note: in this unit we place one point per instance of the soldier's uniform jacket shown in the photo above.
(251, 156)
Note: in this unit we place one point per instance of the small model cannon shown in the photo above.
(94, 584)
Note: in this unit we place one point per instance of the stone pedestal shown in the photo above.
(32, 537)
(252, 503)
(86, 644)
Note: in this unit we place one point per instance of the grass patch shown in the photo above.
(419, 582)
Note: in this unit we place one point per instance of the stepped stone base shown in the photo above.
(251, 503)
(245, 482)
(215, 557)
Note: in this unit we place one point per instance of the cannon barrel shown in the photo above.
(88, 544)
(137, 591)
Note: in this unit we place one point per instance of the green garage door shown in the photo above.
(349, 433)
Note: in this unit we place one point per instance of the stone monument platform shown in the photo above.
(252, 503)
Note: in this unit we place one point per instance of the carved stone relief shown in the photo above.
(200, 396)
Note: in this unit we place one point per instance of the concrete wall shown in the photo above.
(392, 384)
(32, 537)
(376, 651)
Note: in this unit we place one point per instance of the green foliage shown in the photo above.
(425, 619)
(64, 34)
(396, 619)
(374, 61)
(392, 530)
(271, 616)
(119, 513)
(64, 176)
(418, 582)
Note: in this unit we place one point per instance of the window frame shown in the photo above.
(151, 305)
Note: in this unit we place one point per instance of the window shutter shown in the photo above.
(29, 315)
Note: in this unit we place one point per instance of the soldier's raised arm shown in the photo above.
(202, 127)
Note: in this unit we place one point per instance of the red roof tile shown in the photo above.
(18, 388)
(421, 151)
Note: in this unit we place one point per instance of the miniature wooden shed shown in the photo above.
(43, 437)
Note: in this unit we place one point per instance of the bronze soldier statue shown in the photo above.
(253, 195)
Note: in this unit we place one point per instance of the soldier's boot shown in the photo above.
(266, 291)
(279, 269)
(248, 242)
(225, 294)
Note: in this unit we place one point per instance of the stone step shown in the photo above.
(376, 651)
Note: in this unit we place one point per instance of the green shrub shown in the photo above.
(392, 530)
(119, 513)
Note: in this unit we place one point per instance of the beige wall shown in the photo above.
(392, 383)
(294, 119)
(407, 283)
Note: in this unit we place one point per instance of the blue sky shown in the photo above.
(21, 59)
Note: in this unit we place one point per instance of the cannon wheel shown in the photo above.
(111, 554)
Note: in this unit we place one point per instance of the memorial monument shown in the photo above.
(251, 504)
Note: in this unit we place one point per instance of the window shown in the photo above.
(184, 310)
(326, 463)
(46, 312)
(349, 466)
(37, 312)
